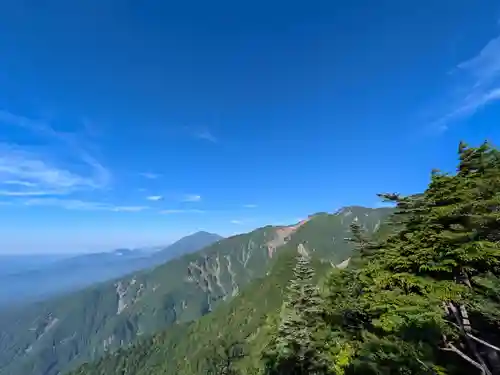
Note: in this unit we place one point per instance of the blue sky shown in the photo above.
(128, 123)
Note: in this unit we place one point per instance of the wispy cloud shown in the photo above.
(20, 183)
(204, 134)
(477, 85)
(26, 170)
(245, 221)
(70, 204)
(75, 204)
(25, 173)
(192, 211)
(154, 198)
(7, 117)
(191, 198)
(250, 205)
(129, 208)
(151, 176)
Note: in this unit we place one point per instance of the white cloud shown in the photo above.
(206, 135)
(151, 176)
(31, 193)
(478, 84)
(485, 66)
(70, 204)
(26, 170)
(468, 107)
(20, 183)
(129, 208)
(248, 221)
(75, 204)
(169, 212)
(191, 198)
(26, 173)
(250, 205)
(154, 198)
(7, 117)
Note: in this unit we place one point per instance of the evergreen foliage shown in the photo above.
(363, 246)
(295, 350)
(421, 304)
(223, 358)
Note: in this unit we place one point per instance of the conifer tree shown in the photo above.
(295, 350)
(435, 280)
(223, 357)
(452, 239)
(364, 247)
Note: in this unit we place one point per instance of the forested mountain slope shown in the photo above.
(186, 349)
(55, 335)
(189, 348)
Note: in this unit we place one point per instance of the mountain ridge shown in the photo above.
(83, 326)
(244, 319)
(75, 272)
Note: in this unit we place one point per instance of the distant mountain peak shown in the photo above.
(188, 244)
(204, 233)
(348, 210)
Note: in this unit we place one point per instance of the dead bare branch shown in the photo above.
(491, 346)
(453, 348)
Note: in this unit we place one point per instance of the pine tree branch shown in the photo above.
(454, 325)
(425, 366)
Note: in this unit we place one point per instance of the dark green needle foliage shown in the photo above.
(295, 349)
(427, 301)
